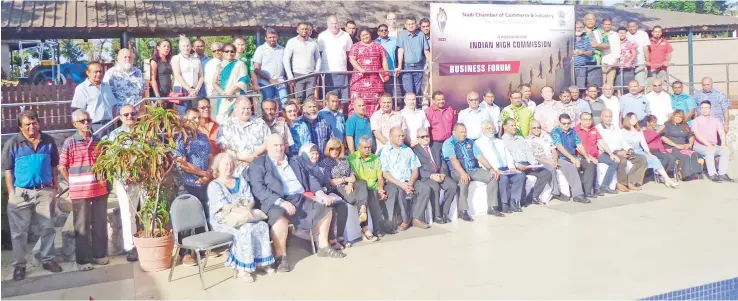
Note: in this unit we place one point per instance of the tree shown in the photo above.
(70, 50)
(699, 7)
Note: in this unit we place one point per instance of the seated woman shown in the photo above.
(653, 139)
(344, 184)
(251, 247)
(678, 140)
(633, 137)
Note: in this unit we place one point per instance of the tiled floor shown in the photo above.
(629, 246)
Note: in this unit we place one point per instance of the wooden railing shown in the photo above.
(51, 116)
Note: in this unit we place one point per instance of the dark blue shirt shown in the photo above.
(336, 121)
(196, 151)
(30, 167)
(320, 132)
(584, 45)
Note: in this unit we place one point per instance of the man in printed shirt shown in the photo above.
(242, 135)
(87, 192)
(400, 169)
(276, 125)
(570, 149)
(385, 119)
(320, 131)
(519, 112)
(718, 101)
(125, 79)
(524, 160)
(298, 128)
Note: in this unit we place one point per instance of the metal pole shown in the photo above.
(258, 38)
(690, 53)
(124, 39)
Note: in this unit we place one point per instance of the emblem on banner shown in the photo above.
(562, 18)
(441, 17)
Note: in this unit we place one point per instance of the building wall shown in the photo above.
(708, 51)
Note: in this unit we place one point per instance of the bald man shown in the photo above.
(289, 194)
(243, 135)
(125, 79)
(719, 101)
(474, 116)
(660, 102)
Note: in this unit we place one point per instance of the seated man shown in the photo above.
(614, 139)
(545, 151)
(593, 142)
(400, 169)
(569, 146)
(289, 195)
(512, 181)
(707, 130)
(524, 159)
(368, 168)
(465, 158)
(434, 173)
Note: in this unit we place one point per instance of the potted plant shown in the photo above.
(145, 156)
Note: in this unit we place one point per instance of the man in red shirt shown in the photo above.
(593, 142)
(659, 54)
(441, 119)
(88, 193)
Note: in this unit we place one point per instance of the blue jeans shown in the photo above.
(612, 168)
(337, 83)
(413, 81)
(274, 92)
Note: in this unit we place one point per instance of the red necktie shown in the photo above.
(427, 149)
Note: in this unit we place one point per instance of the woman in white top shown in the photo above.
(188, 77)
(633, 137)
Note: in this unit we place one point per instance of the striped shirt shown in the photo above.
(78, 155)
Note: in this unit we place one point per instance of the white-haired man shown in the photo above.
(125, 79)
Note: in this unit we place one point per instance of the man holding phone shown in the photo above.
(613, 138)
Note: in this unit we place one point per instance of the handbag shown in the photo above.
(175, 101)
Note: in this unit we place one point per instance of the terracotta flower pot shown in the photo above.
(154, 254)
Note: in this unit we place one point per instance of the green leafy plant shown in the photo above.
(145, 156)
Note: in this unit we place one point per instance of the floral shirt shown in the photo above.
(243, 137)
(127, 87)
(628, 49)
(336, 169)
(541, 146)
(279, 126)
(301, 135)
(573, 110)
(195, 151)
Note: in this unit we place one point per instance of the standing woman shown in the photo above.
(633, 137)
(231, 79)
(161, 70)
(367, 55)
(188, 78)
(679, 139)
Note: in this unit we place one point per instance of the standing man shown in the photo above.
(614, 138)
(583, 52)
(634, 102)
(413, 49)
(441, 118)
(659, 54)
(612, 103)
(125, 79)
(599, 45)
(358, 125)
(568, 144)
(512, 181)
(425, 26)
(199, 47)
(333, 116)
(719, 103)
(276, 125)
(596, 105)
(414, 118)
(242, 135)
(524, 160)
(211, 68)
(682, 101)
(707, 130)
(434, 174)
(593, 142)
(29, 160)
(659, 101)
(392, 29)
(547, 113)
(570, 107)
(640, 37)
(269, 68)
(302, 57)
(400, 169)
(384, 120)
(96, 97)
(518, 111)
(208, 126)
(88, 193)
(492, 108)
(466, 160)
(474, 116)
(389, 43)
(584, 106)
(334, 46)
(610, 55)
(525, 89)
(350, 29)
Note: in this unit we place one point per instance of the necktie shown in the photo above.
(427, 149)
(500, 162)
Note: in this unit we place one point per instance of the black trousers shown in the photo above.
(450, 188)
(90, 228)
(589, 175)
(543, 177)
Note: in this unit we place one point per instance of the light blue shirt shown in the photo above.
(413, 46)
(584, 106)
(390, 46)
(290, 184)
(399, 162)
(473, 120)
(271, 62)
(638, 105)
(468, 149)
(99, 103)
(719, 102)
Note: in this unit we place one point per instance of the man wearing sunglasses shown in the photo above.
(434, 173)
(389, 43)
(570, 149)
(211, 67)
(207, 125)
(88, 193)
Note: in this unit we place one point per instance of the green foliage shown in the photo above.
(70, 50)
(699, 7)
(145, 52)
(146, 156)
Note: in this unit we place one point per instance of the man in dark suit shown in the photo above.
(288, 194)
(434, 173)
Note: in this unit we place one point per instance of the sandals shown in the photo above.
(246, 277)
(368, 236)
(84, 267)
(344, 243)
(362, 214)
(335, 244)
(328, 251)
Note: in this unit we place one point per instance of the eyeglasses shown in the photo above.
(535, 128)
(382, 30)
(84, 121)
(130, 114)
(423, 137)
(566, 123)
(473, 99)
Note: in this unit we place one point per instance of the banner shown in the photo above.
(476, 47)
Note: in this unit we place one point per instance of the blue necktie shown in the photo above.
(500, 162)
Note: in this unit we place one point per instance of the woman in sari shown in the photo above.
(367, 55)
(232, 79)
(678, 140)
(251, 247)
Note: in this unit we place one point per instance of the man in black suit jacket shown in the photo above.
(434, 173)
(302, 202)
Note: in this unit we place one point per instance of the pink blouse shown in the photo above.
(653, 139)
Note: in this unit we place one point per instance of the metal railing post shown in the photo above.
(322, 79)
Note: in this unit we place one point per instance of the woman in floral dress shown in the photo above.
(251, 248)
(367, 55)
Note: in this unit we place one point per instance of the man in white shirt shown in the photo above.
(269, 69)
(512, 181)
(525, 89)
(334, 47)
(614, 140)
(660, 102)
(473, 116)
(611, 103)
(414, 118)
(211, 67)
(491, 107)
(392, 25)
(640, 37)
(302, 57)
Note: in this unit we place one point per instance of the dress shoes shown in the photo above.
(52, 266)
(634, 187)
(492, 211)
(418, 224)
(447, 218)
(464, 215)
(538, 201)
(19, 273)
(607, 190)
(591, 195)
(726, 178)
(622, 188)
(715, 179)
(439, 220)
(582, 199)
(599, 192)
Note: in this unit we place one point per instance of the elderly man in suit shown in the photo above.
(434, 173)
(290, 195)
